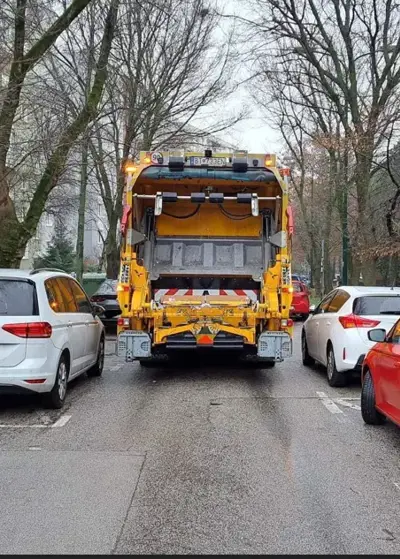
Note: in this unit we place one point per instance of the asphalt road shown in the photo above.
(199, 459)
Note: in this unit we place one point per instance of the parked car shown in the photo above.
(380, 395)
(106, 296)
(49, 333)
(336, 333)
(300, 301)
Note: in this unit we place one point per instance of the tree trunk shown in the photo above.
(365, 225)
(15, 236)
(369, 271)
(11, 248)
(354, 270)
(112, 252)
(80, 242)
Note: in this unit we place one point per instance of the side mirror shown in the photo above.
(97, 309)
(377, 335)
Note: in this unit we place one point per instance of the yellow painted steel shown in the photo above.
(240, 318)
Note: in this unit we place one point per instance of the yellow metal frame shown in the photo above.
(187, 315)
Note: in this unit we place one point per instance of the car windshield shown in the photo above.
(108, 287)
(17, 298)
(377, 304)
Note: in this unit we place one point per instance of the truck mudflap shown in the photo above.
(276, 346)
(133, 344)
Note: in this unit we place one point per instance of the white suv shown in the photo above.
(336, 333)
(49, 333)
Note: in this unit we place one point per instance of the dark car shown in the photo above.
(106, 296)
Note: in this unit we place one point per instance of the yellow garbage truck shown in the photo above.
(205, 258)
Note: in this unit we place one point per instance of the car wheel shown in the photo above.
(308, 361)
(97, 369)
(335, 378)
(368, 410)
(56, 397)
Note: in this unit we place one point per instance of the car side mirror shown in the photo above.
(377, 335)
(97, 309)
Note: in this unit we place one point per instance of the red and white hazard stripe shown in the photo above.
(252, 294)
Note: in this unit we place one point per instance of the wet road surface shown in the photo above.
(199, 459)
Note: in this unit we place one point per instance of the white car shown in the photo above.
(336, 333)
(49, 333)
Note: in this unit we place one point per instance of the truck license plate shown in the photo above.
(207, 161)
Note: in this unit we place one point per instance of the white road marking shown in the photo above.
(328, 403)
(34, 448)
(63, 420)
(115, 368)
(397, 485)
(20, 426)
(348, 403)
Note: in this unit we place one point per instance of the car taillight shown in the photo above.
(355, 321)
(29, 329)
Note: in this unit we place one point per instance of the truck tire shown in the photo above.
(308, 361)
(335, 378)
(369, 413)
(267, 364)
(153, 361)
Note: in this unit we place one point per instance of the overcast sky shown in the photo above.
(252, 134)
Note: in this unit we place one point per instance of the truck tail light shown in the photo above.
(123, 288)
(287, 323)
(29, 329)
(123, 322)
(287, 289)
(355, 321)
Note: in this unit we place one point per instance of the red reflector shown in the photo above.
(29, 329)
(35, 380)
(205, 340)
(124, 322)
(290, 322)
(355, 321)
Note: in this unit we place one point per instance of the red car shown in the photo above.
(380, 395)
(301, 301)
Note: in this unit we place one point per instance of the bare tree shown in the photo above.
(167, 68)
(349, 54)
(15, 233)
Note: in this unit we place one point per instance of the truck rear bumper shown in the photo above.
(272, 346)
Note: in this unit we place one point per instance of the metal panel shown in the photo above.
(133, 344)
(208, 257)
(274, 345)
